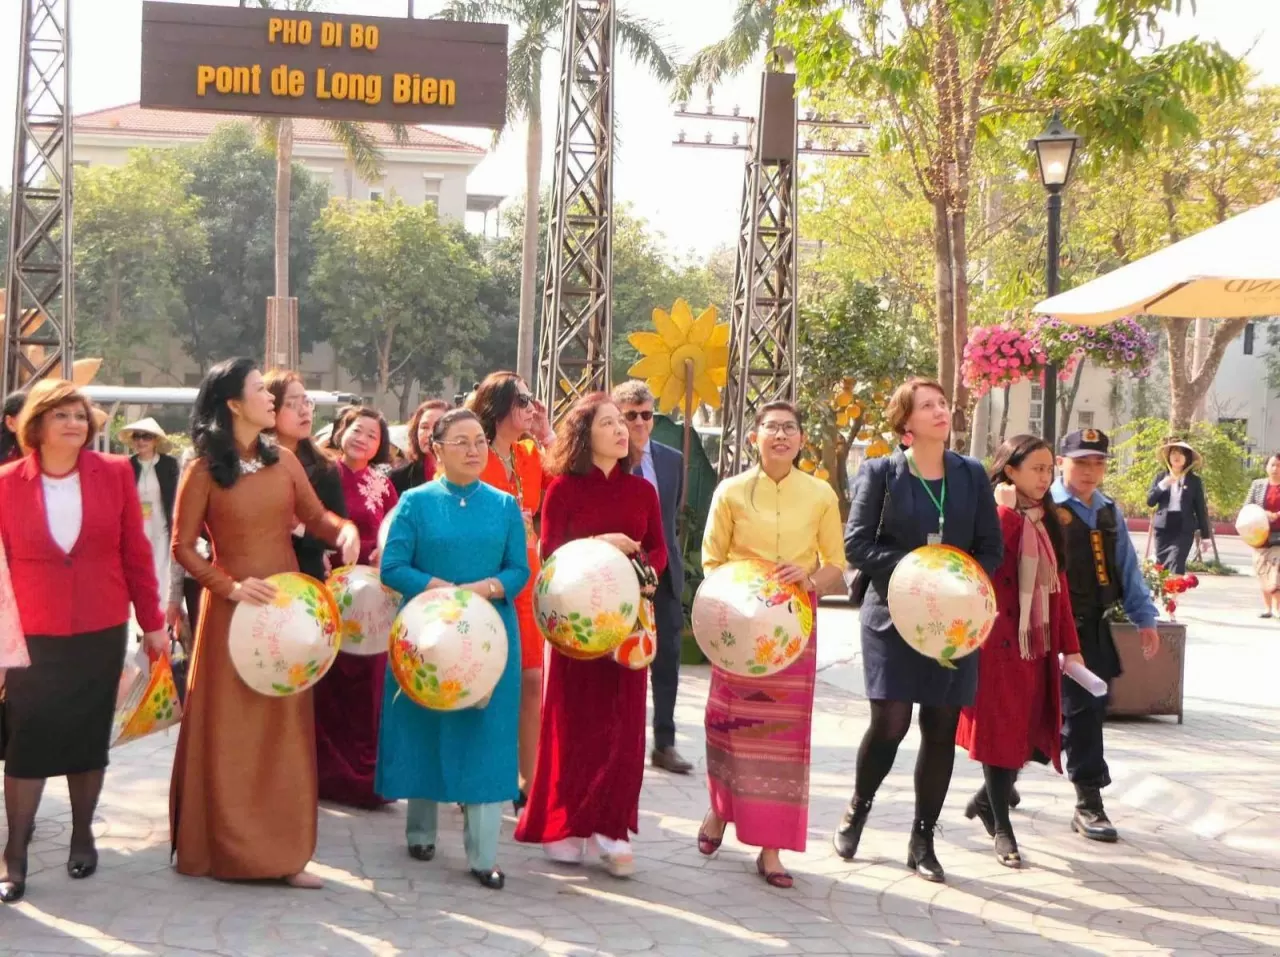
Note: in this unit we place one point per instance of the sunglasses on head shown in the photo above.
(524, 399)
(633, 414)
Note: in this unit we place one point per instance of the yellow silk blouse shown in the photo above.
(792, 522)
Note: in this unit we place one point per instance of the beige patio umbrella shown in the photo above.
(1228, 271)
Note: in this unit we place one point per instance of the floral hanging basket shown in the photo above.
(448, 649)
(368, 609)
(587, 598)
(287, 646)
(748, 623)
(942, 603)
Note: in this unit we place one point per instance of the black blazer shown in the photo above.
(972, 524)
(1193, 502)
(669, 464)
(167, 476)
(407, 476)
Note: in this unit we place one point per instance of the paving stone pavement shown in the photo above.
(1197, 872)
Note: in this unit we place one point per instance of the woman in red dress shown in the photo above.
(1017, 712)
(349, 699)
(586, 784)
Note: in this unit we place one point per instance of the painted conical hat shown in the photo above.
(286, 646)
(586, 598)
(942, 603)
(368, 609)
(449, 648)
(748, 623)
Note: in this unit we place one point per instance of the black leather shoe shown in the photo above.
(1014, 798)
(1007, 850)
(83, 865)
(668, 759)
(849, 834)
(422, 852)
(979, 808)
(520, 802)
(1090, 819)
(495, 880)
(920, 855)
(12, 891)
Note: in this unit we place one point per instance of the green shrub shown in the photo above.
(1226, 477)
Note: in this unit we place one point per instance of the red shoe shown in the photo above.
(708, 845)
(773, 878)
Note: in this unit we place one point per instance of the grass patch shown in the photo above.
(1212, 568)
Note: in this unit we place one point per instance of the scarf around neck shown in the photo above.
(1037, 580)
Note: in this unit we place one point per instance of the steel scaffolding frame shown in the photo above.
(39, 298)
(577, 310)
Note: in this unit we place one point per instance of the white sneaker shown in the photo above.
(615, 855)
(572, 850)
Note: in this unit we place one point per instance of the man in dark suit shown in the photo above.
(663, 467)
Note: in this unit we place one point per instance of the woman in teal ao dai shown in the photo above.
(456, 532)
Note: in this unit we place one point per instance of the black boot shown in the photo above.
(1014, 797)
(849, 833)
(1090, 819)
(920, 855)
(980, 807)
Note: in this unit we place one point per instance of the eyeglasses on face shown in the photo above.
(780, 428)
(464, 445)
(300, 403)
(632, 414)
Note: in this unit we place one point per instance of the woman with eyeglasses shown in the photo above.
(586, 783)
(518, 430)
(759, 729)
(349, 698)
(294, 416)
(458, 532)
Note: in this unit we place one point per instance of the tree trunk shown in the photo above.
(1200, 352)
(529, 249)
(1186, 391)
(284, 186)
(960, 330)
(1004, 415)
(943, 292)
(1069, 400)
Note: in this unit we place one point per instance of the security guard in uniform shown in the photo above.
(1102, 570)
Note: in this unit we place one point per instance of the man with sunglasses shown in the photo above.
(663, 467)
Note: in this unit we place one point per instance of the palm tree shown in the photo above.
(754, 27)
(541, 26)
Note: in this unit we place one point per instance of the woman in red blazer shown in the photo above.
(77, 561)
(1016, 715)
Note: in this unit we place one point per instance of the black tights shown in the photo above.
(890, 721)
(22, 800)
(999, 785)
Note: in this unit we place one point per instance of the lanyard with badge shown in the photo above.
(939, 501)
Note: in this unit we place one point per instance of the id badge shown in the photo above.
(935, 538)
(146, 510)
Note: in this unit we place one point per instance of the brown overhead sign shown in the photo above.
(331, 66)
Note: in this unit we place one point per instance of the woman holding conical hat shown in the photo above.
(1177, 495)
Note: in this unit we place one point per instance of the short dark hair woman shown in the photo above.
(1177, 495)
(921, 494)
(589, 770)
(71, 522)
(243, 798)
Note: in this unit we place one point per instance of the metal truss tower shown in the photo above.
(39, 331)
(577, 309)
(762, 340)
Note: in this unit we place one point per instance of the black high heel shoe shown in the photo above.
(979, 808)
(422, 852)
(12, 891)
(495, 880)
(82, 866)
(849, 834)
(920, 855)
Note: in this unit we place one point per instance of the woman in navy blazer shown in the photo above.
(71, 524)
(920, 494)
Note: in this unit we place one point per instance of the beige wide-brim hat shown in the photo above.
(147, 426)
(1197, 460)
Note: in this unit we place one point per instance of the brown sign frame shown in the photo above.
(444, 72)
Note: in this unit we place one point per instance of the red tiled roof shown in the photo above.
(132, 118)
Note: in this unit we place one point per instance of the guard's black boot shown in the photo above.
(1090, 819)
(920, 855)
(850, 831)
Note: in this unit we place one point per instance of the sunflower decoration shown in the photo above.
(681, 338)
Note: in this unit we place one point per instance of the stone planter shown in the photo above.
(1149, 687)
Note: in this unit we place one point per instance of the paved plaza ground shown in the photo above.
(1197, 872)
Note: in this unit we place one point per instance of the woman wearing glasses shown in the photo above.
(294, 412)
(456, 533)
(349, 699)
(758, 729)
(510, 415)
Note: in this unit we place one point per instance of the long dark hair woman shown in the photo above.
(10, 445)
(590, 765)
(242, 804)
(921, 494)
(294, 419)
(71, 523)
(1016, 715)
(421, 467)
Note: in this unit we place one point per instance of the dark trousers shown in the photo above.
(665, 670)
(1082, 719)
(1174, 541)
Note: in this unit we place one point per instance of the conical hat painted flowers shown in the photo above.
(151, 705)
(287, 646)
(448, 649)
(367, 608)
(1253, 526)
(748, 623)
(639, 648)
(942, 603)
(587, 598)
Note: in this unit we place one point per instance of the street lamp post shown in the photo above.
(1055, 150)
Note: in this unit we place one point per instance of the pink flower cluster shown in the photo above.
(1000, 355)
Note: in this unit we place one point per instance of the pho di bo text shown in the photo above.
(406, 88)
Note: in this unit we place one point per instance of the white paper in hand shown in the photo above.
(1082, 676)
